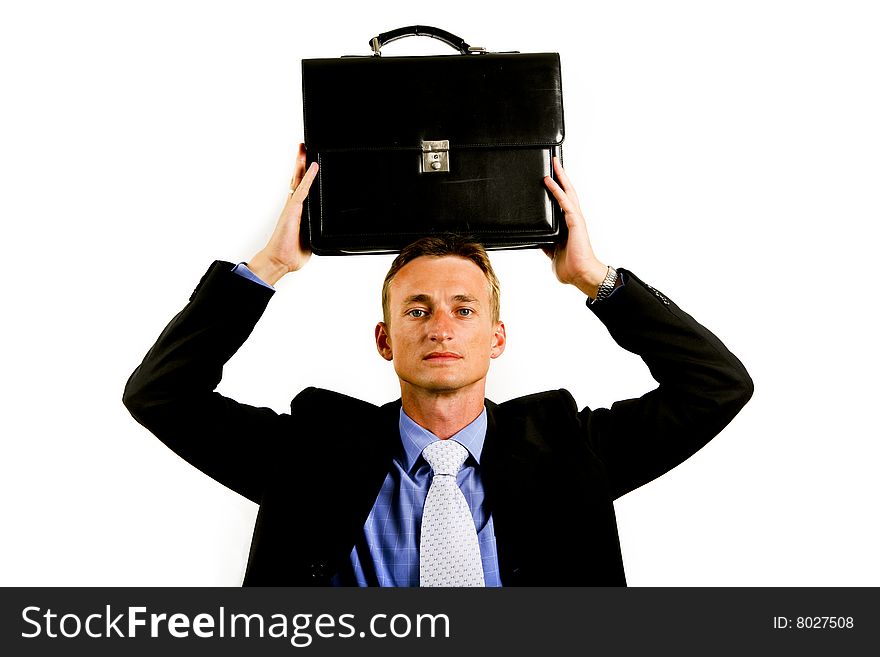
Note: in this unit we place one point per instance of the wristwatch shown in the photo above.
(607, 286)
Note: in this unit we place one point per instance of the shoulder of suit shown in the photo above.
(318, 399)
(549, 419)
(539, 402)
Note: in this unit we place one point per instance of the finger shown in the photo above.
(571, 213)
(565, 181)
(302, 189)
(549, 251)
(299, 168)
(559, 194)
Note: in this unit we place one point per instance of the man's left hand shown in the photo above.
(574, 262)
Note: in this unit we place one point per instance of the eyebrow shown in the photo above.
(427, 299)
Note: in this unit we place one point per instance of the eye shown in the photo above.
(416, 312)
(465, 312)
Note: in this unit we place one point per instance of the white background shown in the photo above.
(727, 152)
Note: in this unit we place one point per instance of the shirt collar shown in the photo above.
(415, 438)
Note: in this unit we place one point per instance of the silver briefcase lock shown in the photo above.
(435, 156)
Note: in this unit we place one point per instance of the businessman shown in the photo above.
(441, 487)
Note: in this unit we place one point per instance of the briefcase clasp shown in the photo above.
(435, 156)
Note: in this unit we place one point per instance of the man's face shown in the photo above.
(441, 334)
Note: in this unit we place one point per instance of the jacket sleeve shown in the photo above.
(172, 394)
(702, 386)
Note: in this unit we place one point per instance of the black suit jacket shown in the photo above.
(545, 464)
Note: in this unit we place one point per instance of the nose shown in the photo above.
(440, 328)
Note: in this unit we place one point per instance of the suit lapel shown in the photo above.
(511, 457)
(363, 471)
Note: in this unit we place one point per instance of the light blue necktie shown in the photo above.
(449, 553)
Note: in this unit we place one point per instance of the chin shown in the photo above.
(442, 385)
(447, 384)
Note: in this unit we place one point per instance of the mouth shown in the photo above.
(442, 356)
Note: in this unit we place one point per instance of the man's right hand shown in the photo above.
(285, 252)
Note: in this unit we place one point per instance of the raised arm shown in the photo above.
(172, 392)
(702, 385)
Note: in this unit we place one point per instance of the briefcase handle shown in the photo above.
(448, 38)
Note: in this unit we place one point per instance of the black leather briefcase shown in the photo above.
(411, 146)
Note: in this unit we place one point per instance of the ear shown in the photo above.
(499, 340)
(383, 341)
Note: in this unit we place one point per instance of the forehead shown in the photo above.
(439, 277)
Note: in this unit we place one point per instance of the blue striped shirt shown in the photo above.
(387, 553)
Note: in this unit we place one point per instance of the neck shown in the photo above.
(443, 414)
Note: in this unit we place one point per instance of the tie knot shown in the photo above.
(445, 456)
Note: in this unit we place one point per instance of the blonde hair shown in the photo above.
(439, 246)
